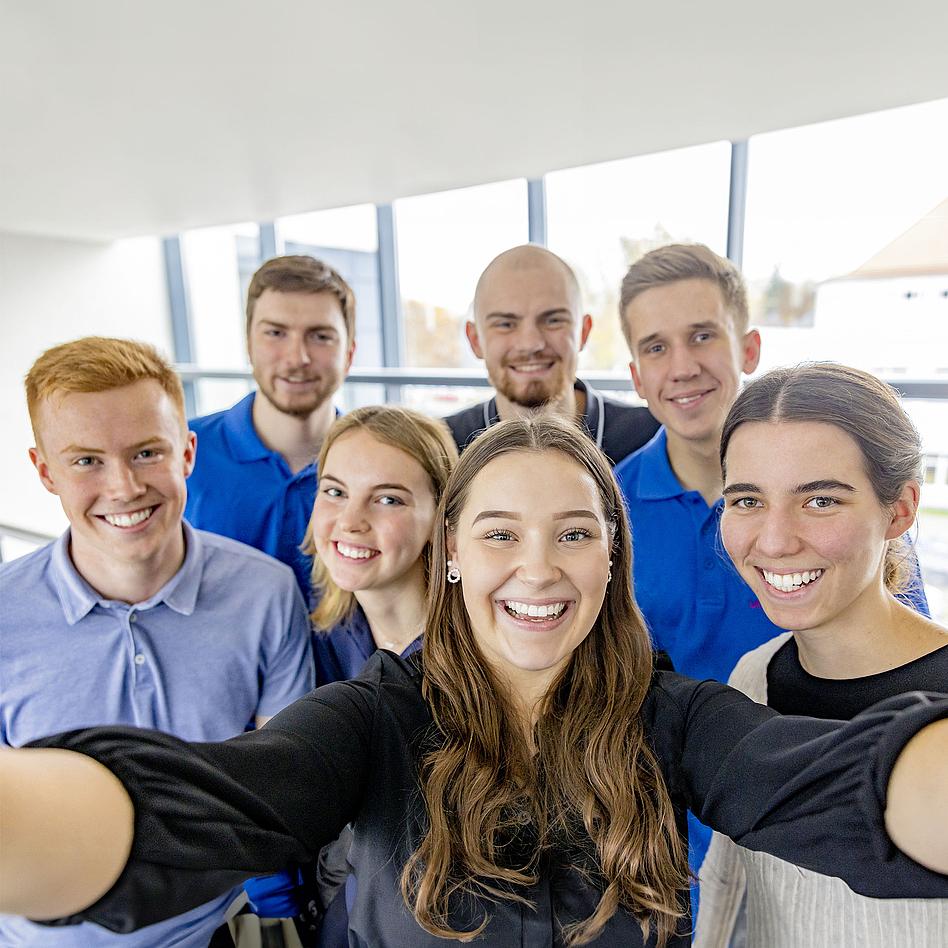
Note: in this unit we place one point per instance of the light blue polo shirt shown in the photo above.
(225, 640)
(241, 489)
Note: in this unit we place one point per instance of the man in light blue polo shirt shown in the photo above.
(685, 317)
(133, 617)
(255, 475)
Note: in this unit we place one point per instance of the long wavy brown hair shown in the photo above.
(592, 786)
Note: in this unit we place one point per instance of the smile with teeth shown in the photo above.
(690, 399)
(132, 519)
(355, 552)
(530, 610)
(788, 582)
(532, 367)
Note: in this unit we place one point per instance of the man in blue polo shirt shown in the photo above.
(685, 317)
(133, 617)
(529, 328)
(255, 476)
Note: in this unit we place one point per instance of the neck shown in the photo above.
(697, 465)
(571, 404)
(297, 438)
(128, 582)
(396, 614)
(876, 634)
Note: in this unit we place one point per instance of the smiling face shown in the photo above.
(533, 563)
(803, 524)
(688, 357)
(528, 327)
(117, 460)
(373, 514)
(299, 349)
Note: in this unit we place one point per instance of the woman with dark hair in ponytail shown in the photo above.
(821, 473)
(522, 781)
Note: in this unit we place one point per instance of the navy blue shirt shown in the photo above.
(241, 489)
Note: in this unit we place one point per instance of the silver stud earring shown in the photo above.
(454, 574)
(609, 577)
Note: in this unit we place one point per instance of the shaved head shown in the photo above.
(525, 257)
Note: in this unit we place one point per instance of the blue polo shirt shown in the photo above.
(225, 640)
(241, 489)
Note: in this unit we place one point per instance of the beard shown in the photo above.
(297, 406)
(531, 393)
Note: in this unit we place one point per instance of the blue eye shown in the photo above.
(332, 492)
(577, 533)
(387, 500)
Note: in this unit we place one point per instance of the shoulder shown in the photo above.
(466, 424)
(627, 428)
(28, 570)
(209, 424)
(237, 559)
(750, 673)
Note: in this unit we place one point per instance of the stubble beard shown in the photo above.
(301, 409)
(534, 395)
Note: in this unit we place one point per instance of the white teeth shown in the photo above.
(687, 400)
(129, 519)
(787, 582)
(355, 552)
(533, 611)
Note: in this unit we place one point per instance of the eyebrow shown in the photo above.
(692, 327)
(79, 449)
(321, 327)
(511, 515)
(338, 480)
(808, 488)
(547, 312)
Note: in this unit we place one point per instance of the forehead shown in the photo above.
(299, 310)
(106, 419)
(510, 483)
(783, 454)
(526, 289)
(673, 307)
(358, 458)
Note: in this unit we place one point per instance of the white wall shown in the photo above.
(51, 291)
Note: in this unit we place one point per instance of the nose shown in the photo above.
(777, 535)
(530, 338)
(124, 484)
(538, 568)
(352, 518)
(684, 366)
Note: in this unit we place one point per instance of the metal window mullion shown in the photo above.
(737, 203)
(536, 211)
(390, 302)
(180, 312)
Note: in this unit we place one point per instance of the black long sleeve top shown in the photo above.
(209, 815)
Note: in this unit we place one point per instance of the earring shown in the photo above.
(454, 574)
(609, 577)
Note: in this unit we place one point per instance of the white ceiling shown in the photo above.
(120, 117)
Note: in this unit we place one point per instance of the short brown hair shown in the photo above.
(98, 364)
(425, 439)
(685, 262)
(302, 274)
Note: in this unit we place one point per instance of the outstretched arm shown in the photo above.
(916, 813)
(65, 831)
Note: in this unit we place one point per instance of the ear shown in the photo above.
(636, 380)
(585, 331)
(750, 351)
(350, 356)
(451, 543)
(903, 511)
(470, 330)
(42, 468)
(190, 453)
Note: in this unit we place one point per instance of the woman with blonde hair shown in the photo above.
(522, 781)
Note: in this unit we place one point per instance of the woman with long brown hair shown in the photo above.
(525, 782)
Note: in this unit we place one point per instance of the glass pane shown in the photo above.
(444, 242)
(218, 263)
(601, 218)
(347, 239)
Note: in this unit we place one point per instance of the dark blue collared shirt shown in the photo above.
(241, 489)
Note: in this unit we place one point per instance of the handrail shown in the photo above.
(477, 378)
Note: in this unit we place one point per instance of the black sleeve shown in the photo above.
(208, 816)
(811, 792)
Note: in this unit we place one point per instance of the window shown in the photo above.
(601, 218)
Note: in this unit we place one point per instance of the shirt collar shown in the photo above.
(78, 598)
(242, 437)
(593, 416)
(656, 479)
